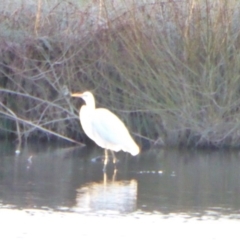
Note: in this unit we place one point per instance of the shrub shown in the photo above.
(169, 69)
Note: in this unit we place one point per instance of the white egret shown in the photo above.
(105, 128)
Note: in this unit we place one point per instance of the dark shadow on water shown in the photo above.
(63, 178)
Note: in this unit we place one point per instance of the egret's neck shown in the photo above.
(90, 103)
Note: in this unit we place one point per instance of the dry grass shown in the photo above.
(169, 69)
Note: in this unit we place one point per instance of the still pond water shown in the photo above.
(64, 182)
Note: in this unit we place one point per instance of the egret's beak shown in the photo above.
(76, 94)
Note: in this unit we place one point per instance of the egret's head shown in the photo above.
(87, 97)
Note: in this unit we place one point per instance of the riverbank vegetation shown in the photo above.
(169, 69)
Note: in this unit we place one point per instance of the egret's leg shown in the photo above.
(114, 175)
(114, 161)
(104, 179)
(105, 159)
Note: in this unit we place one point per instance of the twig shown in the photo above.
(41, 128)
(14, 116)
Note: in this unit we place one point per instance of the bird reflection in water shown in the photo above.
(107, 196)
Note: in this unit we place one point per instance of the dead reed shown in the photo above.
(170, 69)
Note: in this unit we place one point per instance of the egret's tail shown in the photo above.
(135, 150)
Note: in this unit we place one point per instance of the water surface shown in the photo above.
(168, 181)
(63, 190)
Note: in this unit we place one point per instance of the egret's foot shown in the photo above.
(106, 160)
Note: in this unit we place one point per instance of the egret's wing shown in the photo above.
(107, 126)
